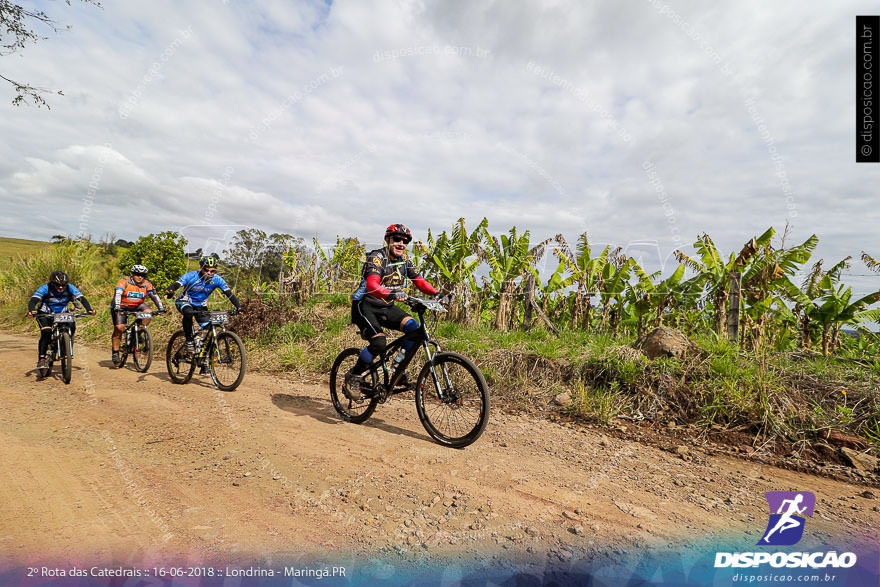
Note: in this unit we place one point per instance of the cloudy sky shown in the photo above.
(643, 122)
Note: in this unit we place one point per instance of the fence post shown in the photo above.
(529, 302)
(733, 306)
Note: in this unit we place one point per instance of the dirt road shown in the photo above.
(121, 466)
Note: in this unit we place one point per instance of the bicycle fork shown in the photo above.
(438, 385)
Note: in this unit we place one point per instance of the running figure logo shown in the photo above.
(787, 508)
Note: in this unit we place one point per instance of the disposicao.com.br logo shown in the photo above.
(785, 528)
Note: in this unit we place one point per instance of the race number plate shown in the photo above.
(141, 315)
(219, 318)
(64, 318)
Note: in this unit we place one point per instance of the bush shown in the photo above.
(163, 254)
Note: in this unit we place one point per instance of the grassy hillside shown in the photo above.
(13, 248)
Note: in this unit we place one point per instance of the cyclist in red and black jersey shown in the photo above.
(387, 273)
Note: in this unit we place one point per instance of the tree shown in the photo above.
(257, 255)
(163, 254)
(18, 27)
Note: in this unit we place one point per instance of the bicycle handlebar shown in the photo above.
(429, 304)
(47, 314)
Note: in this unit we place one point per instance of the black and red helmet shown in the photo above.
(400, 229)
(59, 278)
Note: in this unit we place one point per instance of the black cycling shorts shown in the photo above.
(370, 318)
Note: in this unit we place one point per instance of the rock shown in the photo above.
(563, 399)
(860, 461)
(664, 342)
(570, 515)
(867, 494)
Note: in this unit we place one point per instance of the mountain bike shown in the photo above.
(452, 398)
(61, 345)
(137, 341)
(217, 351)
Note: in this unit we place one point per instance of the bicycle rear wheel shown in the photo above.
(66, 359)
(351, 410)
(180, 365)
(452, 400)
(227, 361)
(141, 348)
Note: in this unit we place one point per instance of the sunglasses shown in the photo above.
(399, 239)
(209, 270)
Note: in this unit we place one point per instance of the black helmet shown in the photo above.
(59, 278)
(400, 229)
(208, 261)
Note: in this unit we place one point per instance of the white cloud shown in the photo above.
(434, 113)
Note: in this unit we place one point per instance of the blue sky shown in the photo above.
(643, 122)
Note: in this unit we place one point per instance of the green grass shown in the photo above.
(12, 249)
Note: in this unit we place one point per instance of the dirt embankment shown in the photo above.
(122, 466)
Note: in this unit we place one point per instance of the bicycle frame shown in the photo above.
(131, 330)
(209, 331)
(58, 327)
(422, 339)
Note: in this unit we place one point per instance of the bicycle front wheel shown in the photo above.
(227, 361)
(452, 400)
(66, 359)
(180, 365)
(141, 348)
(352, 410)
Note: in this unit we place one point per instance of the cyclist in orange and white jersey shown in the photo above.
(130, 295)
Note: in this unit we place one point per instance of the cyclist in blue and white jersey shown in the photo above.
(53, 297)
(197, 286)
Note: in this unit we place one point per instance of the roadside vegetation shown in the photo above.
(803, 368)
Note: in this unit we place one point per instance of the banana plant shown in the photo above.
(766, 283)
(341, 263)
(509, 257)
(612, 287)
(807, 298)
(585, 273)
(714, 271)
(451, 260)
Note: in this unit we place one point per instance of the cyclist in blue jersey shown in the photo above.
(197, 286)
(53, 297)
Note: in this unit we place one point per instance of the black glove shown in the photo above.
(169, 293)
(443, 299)
(397, 296)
